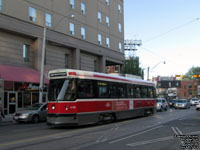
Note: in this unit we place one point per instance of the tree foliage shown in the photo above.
(192, 71)
(132, 66)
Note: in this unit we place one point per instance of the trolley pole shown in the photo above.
(42, 67)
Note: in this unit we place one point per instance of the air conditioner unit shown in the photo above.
(72, 6)
(32, 18)
(72, 32)
(83, 12)
(83, 36)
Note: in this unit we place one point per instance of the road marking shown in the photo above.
(151, 141)
(162, 139)
(33, 139)
(174, 131)
(135, 134)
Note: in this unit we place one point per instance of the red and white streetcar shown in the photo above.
(81, 97)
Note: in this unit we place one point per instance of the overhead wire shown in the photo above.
(173, 29)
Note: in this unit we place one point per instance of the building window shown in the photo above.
(48, 20)
(119, 8)
(189, 86)
(66, 60)
(32, 14)
(120, 27)
(83, 8)
(26, 51)
(120, 47)
(99, 16)
(0, 4)
(71, 28)
(107, 21)
(108, 2)
(71, 3)
(108, 42)
(100, 39)
(82, 32)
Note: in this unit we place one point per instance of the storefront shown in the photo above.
(20, 88)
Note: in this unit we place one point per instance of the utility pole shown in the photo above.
(130, 45)
(42, 67)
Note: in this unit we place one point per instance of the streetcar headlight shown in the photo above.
(66, 108)
(53, 107)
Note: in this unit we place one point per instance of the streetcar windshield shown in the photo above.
(62, 90)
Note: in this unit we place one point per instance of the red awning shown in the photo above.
(20, 74)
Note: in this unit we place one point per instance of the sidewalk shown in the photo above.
(8, 118)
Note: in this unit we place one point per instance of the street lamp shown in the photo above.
(153, 68)
(42, 66)
(41, 88)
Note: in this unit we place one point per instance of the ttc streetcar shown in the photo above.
(79, 97)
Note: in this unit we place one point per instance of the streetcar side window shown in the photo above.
(113, 90)
(144, 92)
(122, 91)
(137, 92)
(102, 88)
(85, 88)
(150, 92)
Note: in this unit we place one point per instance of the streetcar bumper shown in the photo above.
(62, 119)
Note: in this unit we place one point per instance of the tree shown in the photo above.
(192, 71)
(132, 66)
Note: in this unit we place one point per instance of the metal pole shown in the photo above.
(148, 73)
(42, 67)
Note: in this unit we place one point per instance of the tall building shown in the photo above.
(81, 34)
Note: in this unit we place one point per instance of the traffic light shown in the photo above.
(196, 76)
(178, 76)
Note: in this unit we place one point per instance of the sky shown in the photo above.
(170, 32)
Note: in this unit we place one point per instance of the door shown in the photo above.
(12, 101)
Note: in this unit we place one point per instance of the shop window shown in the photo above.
(35, 98)
(27, 99)
(20, 101)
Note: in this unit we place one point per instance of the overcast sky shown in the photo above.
(169, 30)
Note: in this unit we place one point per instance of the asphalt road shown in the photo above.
(161, 131)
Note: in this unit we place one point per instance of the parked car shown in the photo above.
(172, 102)
(34, 113)
(182, 103)
(198, 105)
(194, 101)
(161, 104)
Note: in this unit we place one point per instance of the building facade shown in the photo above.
(188, 89)
(80, 34)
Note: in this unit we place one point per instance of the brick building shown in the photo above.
(188, 89)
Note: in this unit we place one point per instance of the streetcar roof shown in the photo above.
(72, 73)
